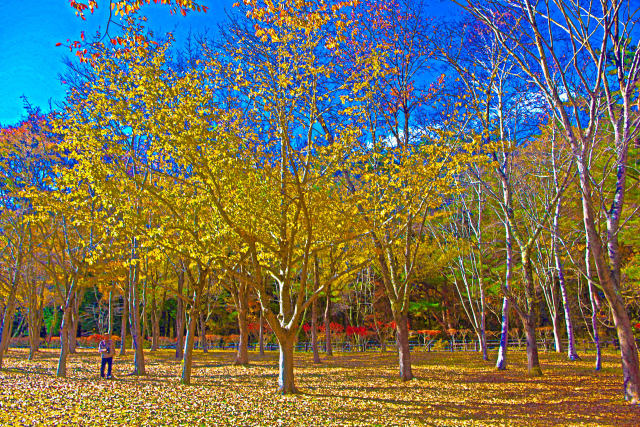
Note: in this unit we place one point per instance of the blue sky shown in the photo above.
(29, 29)
(30, 61)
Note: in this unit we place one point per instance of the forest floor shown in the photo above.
(347, 389)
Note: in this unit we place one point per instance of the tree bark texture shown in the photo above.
(327, 323)
(180, 318)
(314, 331)
(286, 383)
(404, 354)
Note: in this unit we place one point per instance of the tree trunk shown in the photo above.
(482, 340)
(75, 320)
(594, 325)
(572, 354)
(327, 322)
(571, 346)
(404, 355)
(187, 354)
(180, 314)
(124, 321)
(594, 310)
(73, 333)
(144, 330)
(557, 340)
(35, 323)
(155, 323)
(203, 334)
(110, 315)
(242, 355)
(501, 362)
(286, 384)
(314, 331)
(134, 314)
(34, 317)
(64, 335)
(607, 278)
(314, 310)
(533, 362)
(10, 334)
(628, 349)
(7, 321)
(261, 333)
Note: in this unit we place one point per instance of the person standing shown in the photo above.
(107, 350)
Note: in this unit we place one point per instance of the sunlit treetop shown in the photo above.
(118, 11)
(126, 7)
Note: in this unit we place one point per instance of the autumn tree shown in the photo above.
(403, 171)
(586, 67)
(26, 168)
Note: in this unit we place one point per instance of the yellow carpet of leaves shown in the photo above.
(348, 389)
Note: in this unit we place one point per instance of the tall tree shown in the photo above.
(587, 65)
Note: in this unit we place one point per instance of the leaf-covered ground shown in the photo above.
(348, 389)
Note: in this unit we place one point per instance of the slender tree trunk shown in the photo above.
(34, 338)
(155, 333)
(286, 384)
(482, 340)
(64, 332)
(314, 331)
(10, 334)
(203, 334)
(155, 323)
(110, 315)
(572, 354)
(528, 322)
(327, 322)
(571, 346)
(261, 333)
(404, 355)
(144, 330)
(187, 354)
(138, 343)
(557, 340)
(124, 321)
(75, 320)
(64, 344)
(242, 355)
(501, 362)
(35, 319)
(180, 318)
(34, 343)
(241, 298)
(314, 310)
(134, 313)
(9, 310)
(73, 333)
(594, 310)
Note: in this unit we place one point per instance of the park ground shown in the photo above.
(347, 389)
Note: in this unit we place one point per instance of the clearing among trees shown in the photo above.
(359, 388)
